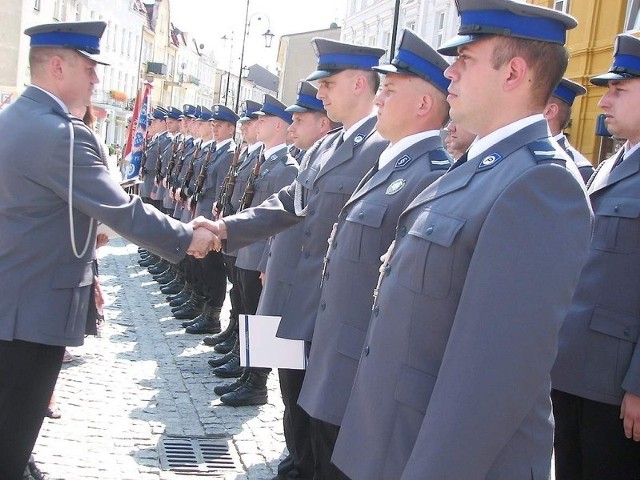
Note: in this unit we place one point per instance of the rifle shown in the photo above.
(189, 175)
(174, 178)
(143, 159)
(202, 176)
(177, 145)
(159, 175)
(223, 205)
(250, 190)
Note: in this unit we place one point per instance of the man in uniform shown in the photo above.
(558, 115)
(226, 340)
(596, 377)
(330, 172)
(48, 228)
(412, 109)
(274, 170)
(453, 380)
(159, 140)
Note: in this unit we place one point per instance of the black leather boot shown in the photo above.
(159, 267)
(174, 286)
(167, 277)
(179, 298)
(150, 260)
(231, 369)
(219, 361)
(232, 326)
(251, 392)
(191, 309)
(181, 305)
(207, 322)
(230, 387)
(226, 345)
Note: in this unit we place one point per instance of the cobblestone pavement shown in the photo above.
(142, 379)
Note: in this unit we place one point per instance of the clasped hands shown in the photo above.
(207, 236)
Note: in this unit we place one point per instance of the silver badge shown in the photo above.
(358, 138)
(396, 186)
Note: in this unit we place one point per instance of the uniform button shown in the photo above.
(307, 254)
(361, 215)
(376, 311)
(307, 233)
(269, 254)
(177, 249)
(616, 208)
(316, 190)
(402, 230)
(366, 351)
(323, 305)
(430, 230)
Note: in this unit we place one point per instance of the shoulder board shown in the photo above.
(543, 151)
(439, 159)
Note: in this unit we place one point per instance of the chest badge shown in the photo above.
(396, 186)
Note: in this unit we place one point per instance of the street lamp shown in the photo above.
(268, 38)
(226, 94)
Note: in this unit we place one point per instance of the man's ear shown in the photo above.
(518, 73)
(550, 111)
(56, 66)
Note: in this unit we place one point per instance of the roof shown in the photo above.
(263, 77)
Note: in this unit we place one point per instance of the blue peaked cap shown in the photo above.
(273, 106)
(508, 18)
(225, 114)
(306, 100)
(567, 91)
(175, 113)
(84, 37)
(626, 61)
(334, 56)
(416, 57)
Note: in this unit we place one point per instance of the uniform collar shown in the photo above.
(485, 143)
(58, 101)
(394, 150)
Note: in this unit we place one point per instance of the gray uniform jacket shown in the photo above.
(178, 209)
(245, 165)
(188, 188)
(165, 155)
(365, 229)
(453, 381)
(598, 354)
(45, 288)
(327, 183)
(153, 154)
(584, 166)
(182, 145)
(277, 171)
(217, 169)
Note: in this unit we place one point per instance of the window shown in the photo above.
(440, 29)
(60, 10)
(632, 20)
(78, 12)
(411, 25)
(372, 41)
(36, 5)
(561, 5)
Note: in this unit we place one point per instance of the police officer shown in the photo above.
(274, 170)
(453, 380)
(330, 172)
(558, 115)
(159, 140)
(46, 277)
(412, 109)
(596, 377)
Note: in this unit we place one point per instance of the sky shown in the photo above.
(209, 20)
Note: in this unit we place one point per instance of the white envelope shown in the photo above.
(259, 346)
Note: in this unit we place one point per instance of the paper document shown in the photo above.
(106, 230)
(259, 346)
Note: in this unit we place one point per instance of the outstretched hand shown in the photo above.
(202, 242)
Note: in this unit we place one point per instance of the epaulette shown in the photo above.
(439, 158)
(544, 152)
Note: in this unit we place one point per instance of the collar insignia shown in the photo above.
(403, 161)
(358, 139)
(489, 161)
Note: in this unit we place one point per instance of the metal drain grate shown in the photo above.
(196, 456)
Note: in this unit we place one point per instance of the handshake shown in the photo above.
(207, 236)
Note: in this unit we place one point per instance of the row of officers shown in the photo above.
(438, 363)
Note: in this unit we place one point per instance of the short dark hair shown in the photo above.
(373, 79)
(548, 61)
(564, 113)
